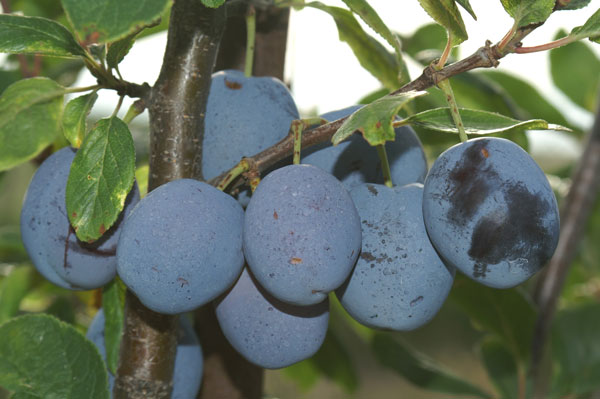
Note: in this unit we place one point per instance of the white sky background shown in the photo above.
(325, 75)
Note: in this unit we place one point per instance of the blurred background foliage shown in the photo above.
(478, 346)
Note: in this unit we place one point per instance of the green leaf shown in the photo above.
(11, 246)
(591, 28)
(371, 54)
(426, 38)
(41, 357)
(332, 360)
(575, 71)
(102, 21)
(446, 13)
(118, 50)
(572, 4)
(30, 112)
(501, 367)
(74, 119)
(101, 175)
(13, 289)
(374, 121)
(62, 309)
(526, 12)
(418, 370)
(467, 6)
(505, 313)
(576, 350)
(213, 3)
(304, 374)
(531, 104)
(113, 303)
(33, 35)
(476, 122)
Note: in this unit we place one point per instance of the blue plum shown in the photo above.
(187, 374)
(301, 234)
(354, 161)
(49, 238)
(267, 332)
(489, 210)
(181, 246)
(399, 281)
(244, 115)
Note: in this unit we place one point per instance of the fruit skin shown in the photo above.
(181, 246)
(45, 228)
(354, 161)
(399, 281)
(267, 332)
(189, 363)
(301, 234)
(244, 115)
(489, 210)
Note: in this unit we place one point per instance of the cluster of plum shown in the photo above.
(327, 225)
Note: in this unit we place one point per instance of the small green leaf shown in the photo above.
(105, 21)
(476, 122)
(371, 54)
(41, 357)
(75, 118)
(118, 50)
(526, 12)
(113, 303)
(13, 289)
(101, 175)
(30, 112)
(418, 370)
(505, 313)
(575, 70)
(467, 6)
(591, 29)
(374, 121)
(426, 38)
(213, 3)
(446, 13)
(576, 351)
(33, 35)
(501, 367)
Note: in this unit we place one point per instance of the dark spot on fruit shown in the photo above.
(232, 85)
(485, 152)
(295, 261)
(480, 270)
(372, 189)
(182, 281)
(275, 215)
(471, 182)
(367, 256)
(517, 235)
(416, 300)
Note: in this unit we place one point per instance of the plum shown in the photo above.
(354, 161)
(489, 210)
(244, 115)
(301, 234)
(187, 374)
(267, 332)
(399, 281)
(49, 238)
(181, 246)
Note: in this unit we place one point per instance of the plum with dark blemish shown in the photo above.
(489, 210)
(310, 247)
(399, 282)
(354, 161)
(244, 115)
(181, 247)
(189, 363)
(49, 238)
(267, 332)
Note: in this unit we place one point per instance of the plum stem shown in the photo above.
(118, 107)
(385, 165)
(250, 40)
(134, 110)
(234, 173)
(296, 128)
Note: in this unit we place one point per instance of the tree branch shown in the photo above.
(176, 106)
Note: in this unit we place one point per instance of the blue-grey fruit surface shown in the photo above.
(354, 161)
(49, 238)
(267, 332)
(244, 115)
(189, 363)
(399, 281)
(301, 234)
(489, 210)
(181, 246)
